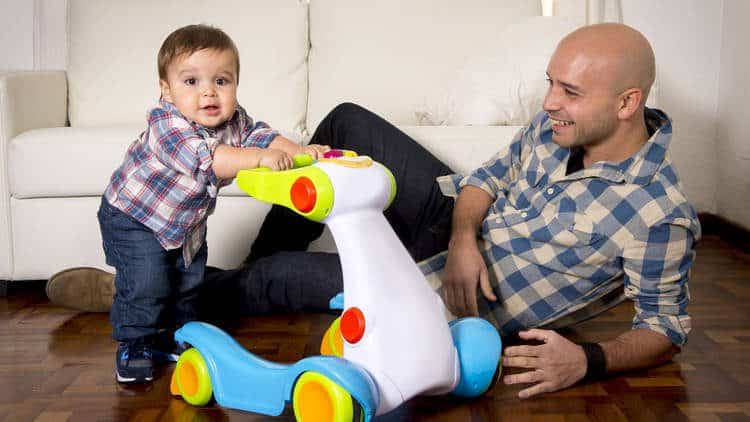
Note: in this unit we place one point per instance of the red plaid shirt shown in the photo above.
(166, 180)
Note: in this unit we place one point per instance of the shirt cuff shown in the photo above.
(675, 328)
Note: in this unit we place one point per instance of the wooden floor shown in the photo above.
(57, 365)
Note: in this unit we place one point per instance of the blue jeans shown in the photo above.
(153, 288)
(280, 276)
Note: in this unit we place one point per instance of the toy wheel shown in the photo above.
(317, 398)
(191, 378)
(496, 376)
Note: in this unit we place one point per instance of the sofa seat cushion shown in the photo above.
(70, 162)
(74, 162)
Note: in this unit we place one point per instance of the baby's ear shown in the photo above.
(166, 93)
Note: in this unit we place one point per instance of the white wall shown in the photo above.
(33, 34)
(17, 35)
(733, 118)
(685, 34)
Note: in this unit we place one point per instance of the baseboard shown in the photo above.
(732, 233)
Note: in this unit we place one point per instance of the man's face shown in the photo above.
(203, 86)
(580, 100)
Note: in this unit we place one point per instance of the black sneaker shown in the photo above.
(133, 361)
(166, 349)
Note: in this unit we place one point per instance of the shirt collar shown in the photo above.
(639, 169)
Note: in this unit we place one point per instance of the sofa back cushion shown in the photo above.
(112, 48)
(389, 55)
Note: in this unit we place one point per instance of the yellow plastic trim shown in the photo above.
(333, 343)
(363, 161)
(317, 398)
(193, 379)
(392, 179)
(274, 187)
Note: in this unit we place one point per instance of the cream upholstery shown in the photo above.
(62, 133)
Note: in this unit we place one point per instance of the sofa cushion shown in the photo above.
(71, 161)
(57, 162)
(388, 55)
(112, 48)
(462, 148)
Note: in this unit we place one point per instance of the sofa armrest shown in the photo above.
(28, 100)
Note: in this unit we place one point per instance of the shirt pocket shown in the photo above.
(573, 229)
(558, 225)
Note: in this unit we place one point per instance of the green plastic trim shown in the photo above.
(274, 187)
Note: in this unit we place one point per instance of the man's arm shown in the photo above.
(559, 363)
(656, 275)
(464, 265)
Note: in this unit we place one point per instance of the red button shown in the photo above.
(303, 194)
(352, 325)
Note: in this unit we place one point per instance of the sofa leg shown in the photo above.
(4, 284)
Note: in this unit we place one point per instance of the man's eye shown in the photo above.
(190, 81)
(571, 93)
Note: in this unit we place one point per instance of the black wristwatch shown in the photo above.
(596, 363)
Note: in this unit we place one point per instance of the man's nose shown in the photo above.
(551, 101)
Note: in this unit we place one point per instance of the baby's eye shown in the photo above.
(221, 81)
(190, 81)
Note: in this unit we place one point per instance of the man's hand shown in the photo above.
(555, 364)
(464, 268)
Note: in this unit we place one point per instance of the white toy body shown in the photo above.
(407, 346)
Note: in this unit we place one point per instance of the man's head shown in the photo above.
(600, 77)
(199, 69)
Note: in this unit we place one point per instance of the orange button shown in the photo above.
(303, 194)
(352, 325)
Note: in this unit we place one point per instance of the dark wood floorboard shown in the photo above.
(57, 364)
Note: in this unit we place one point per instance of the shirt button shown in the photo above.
(550, 191)
(524, 214)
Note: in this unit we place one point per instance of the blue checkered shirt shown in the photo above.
(556, 242)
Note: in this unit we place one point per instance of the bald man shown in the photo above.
(582, 210)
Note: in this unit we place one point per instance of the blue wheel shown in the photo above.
(479, 352)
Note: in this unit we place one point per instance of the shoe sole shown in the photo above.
(85, 289)
(124, 380)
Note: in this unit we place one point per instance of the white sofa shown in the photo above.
(63, 132)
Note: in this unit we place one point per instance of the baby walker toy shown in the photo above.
(392, 341)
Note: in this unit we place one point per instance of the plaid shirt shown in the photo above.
(554, 243)
(166, 180)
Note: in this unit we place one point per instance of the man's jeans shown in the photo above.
(297, 280)
(153, 288)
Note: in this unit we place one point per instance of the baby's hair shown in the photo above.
(189, 39)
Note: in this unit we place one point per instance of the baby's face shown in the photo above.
(203, 86)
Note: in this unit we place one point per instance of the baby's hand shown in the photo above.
(275, 159)
(315, 151)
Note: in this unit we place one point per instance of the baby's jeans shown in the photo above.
(153, 288)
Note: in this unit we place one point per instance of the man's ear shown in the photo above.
(630, 101)
(166, 93)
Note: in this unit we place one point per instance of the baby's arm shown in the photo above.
(291, 148)
(228, 160)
